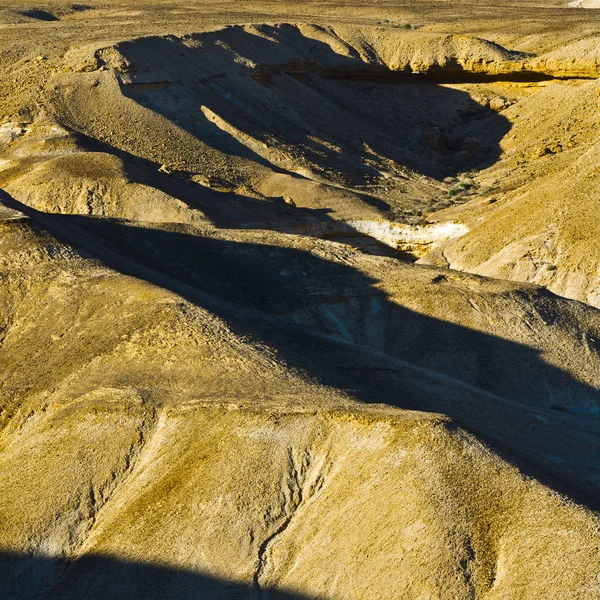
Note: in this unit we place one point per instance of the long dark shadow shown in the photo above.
(228, 210)
(314, 95)
(312, 312)
(105, 578)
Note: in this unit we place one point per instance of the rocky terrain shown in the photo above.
(299, 301)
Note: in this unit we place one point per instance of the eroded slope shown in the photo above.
(202, 394)
(147, 460)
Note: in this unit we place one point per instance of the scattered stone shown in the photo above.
(499, 103)
(551, 148)
(434, 139)
(482, 100)
(201, 180)
(472, 145)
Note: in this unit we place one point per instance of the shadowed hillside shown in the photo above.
(298, 301)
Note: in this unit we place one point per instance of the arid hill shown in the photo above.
(299, 301)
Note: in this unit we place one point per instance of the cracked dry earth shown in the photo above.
(299, 301)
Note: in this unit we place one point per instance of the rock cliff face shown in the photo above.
(222, 372)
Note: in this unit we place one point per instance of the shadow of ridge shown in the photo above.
(29, 577)
(305, 308)
(229, 210)
(276, 102)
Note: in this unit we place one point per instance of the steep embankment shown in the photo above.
(322, 130)
(539, 221)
